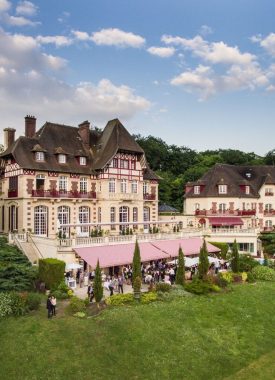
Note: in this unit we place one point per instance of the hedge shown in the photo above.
(51, 271)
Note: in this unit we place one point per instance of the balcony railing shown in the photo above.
(149, 197)
(12, 193)
(225, 212)
(63, 194)
(269, 193)
(269, 212)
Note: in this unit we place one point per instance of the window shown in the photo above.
(268, 191)
(84, 217)
(135, 217)
(222, 207)
(197, 189)
(133, 165)
(62, 158)
(124, 164)
(39, 156)
(63, 215)
(123, 217)
(113, 217)
(268, 207)
(134, 188)
(145, 188)
(112, 185)
(247, 189)
(82, 161)
(41, 220)
(115, 163)
(268, 223)
(99, 215)
(123, 186)
(83, 185)
(146, 217)
(222, 189)
(63, 183)
(13, 218)
(197, 206)
(40, 182)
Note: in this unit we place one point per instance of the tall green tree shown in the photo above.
(235, 262)
(98, 288)
(180, 276)
(136, 265)
(203, 261)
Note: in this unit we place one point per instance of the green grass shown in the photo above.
(228, 335)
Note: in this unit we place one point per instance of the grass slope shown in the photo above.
(208, 337)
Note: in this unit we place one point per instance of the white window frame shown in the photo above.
(112, 185)
(39, 156)
(113, 217)
(197, 189)
(84, 217)
(268, 207)
(99, 214)
(62, 159)
(145, 187)
(63, 183)
(222, 189)
(82, 160)
(64, 217)
(41, 220)
(268, 223)
(247, 189)
(83, 184)
(134, 187)
(123, 186)
(124, 164)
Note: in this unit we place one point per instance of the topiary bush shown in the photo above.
(120, 299)
(163, 287)
(148, 297)
(51, 272)
(263, 273)
(198, 286)
(77, 305)
(228, 276)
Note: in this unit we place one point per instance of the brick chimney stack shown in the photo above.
(84, 131)
(9, 137)
(30, 126)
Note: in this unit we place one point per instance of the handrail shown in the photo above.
(35, 246)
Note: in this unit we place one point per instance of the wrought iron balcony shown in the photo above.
(12, 193)
(149, 197)
(63, 194)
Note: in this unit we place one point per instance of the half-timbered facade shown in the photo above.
(74, 180)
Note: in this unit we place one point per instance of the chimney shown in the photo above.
(30, 126)
(9, 134)
(84, 131)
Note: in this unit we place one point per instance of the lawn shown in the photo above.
(221, 336)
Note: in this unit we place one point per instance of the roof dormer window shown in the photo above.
(197, 189)
(222, 189)
(39, 156)
(82, 161)
(62, 158)
(247, 189)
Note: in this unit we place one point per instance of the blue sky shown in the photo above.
(197, 73)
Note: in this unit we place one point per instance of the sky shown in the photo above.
(195, 73)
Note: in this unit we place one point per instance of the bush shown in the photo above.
(227, 276)
(247, 263)
(120, 299)
(198, 286)
(17, 277)
(33, 301)
(250, 277)
(163, 287)
(223, 247)
(148, 297)
(237, 277)
(263, 273)
(18, 304)
(215, 288)
(221, 281)
(244, 276)
(62, 291)
(80, 314)
(5, 305)
(51, 271)
(76, 305)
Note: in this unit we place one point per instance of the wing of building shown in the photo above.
(230, 196)
(62, 175)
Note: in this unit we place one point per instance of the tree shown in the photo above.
(136, 263)
(235, 262)
(203, 261)
(98, 289)
(180, 276)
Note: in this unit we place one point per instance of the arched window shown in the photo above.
(113, 217)
(13, 218)
(63, 215)
(146, 217)
(123, 217)
(84, 217)
(135, 217)
(41, 220)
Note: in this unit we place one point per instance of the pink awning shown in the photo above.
(225, 221)
(122, 254)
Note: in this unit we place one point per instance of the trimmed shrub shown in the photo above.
(76, 305)
(203, 261)
(136, 265)
(244, 276)
(148, 297)
(228, 276)
(247, 263)
(137, 284)
(235, 257)
(163, 287)
(180, 275)
(250, 277)
(98, 288)
(221, 281)
(51, 272)
(198, 286)
(120, 299)
(33, 301)
(62, 292)
(263, 273)
(223, 247)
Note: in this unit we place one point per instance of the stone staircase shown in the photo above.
(29, 249)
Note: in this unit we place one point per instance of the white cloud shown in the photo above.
(4, 5)
(205, 30)
(117, 37)
(268, 43)
(214, 52)
(162, 52)
(26, 8)
(82, 36)
(19, 21)
(58, 41)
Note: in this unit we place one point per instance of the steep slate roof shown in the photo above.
(59, 138)
(234, 177)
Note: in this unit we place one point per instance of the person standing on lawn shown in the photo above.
(53, 302)
(49, 307)
(120, 284)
